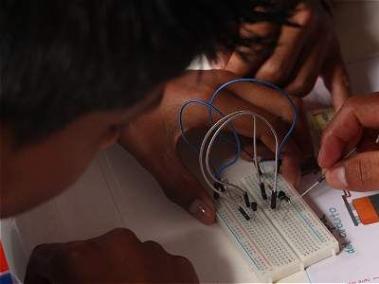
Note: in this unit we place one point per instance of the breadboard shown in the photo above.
(276, 242)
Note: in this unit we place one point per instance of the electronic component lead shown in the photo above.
(263, 190)
(216, 195)
(244, 214)
(246, 198)
(322, 177)
(273, 199)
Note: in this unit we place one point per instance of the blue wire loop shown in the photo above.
(267, 85)
(211, 108)
(226, 165)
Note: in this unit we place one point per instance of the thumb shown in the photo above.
(336, 78)
(183, 188)
(360, 172)
(161, 159)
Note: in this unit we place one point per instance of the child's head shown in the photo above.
(74, 71)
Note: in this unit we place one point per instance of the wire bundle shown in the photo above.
(214, 176)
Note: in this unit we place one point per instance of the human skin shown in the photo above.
(302, 53)
(160, 123)
(115, 257)
(355, 125)
(34, 173)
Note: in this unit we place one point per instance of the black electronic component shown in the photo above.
(263, 191)
(246, 198)
(244, 214)
(216, 195)
(219, 186)
(273, 200)
(282, 196)
(254, 206)
(259, 169)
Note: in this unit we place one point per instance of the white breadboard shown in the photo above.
(276, 242)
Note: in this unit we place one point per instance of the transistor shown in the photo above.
(282, 196)
(219, 186)
(244, 214)
(254, 206)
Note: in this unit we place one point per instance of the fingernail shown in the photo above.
(337, 177)
(320, 155)
(201, 211)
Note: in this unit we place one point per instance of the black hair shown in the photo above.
(60, 59)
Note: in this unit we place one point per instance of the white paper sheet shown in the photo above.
(358, 261)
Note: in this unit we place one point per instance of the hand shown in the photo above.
(116, 257)
(356, 124)
(153, 136)
(302, 54)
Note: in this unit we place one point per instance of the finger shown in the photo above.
(276, 104)
(33, 276)
(290, 167)
(280, 65)
(153, 248)
(108, 245)
(198, 117)
(241, 66)
(187, 191)
(262, 97)
(177, 182)
(336, 78)
(309, 70)
(222, 60)
(39, 268)
(257, 53)
(347, 127)
(360, 173)
(369, 141)
(117, 235)
(184, 270)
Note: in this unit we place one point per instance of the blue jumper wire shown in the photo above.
(235, 134)
(211, 108)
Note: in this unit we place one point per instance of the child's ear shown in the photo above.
(110, 137)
